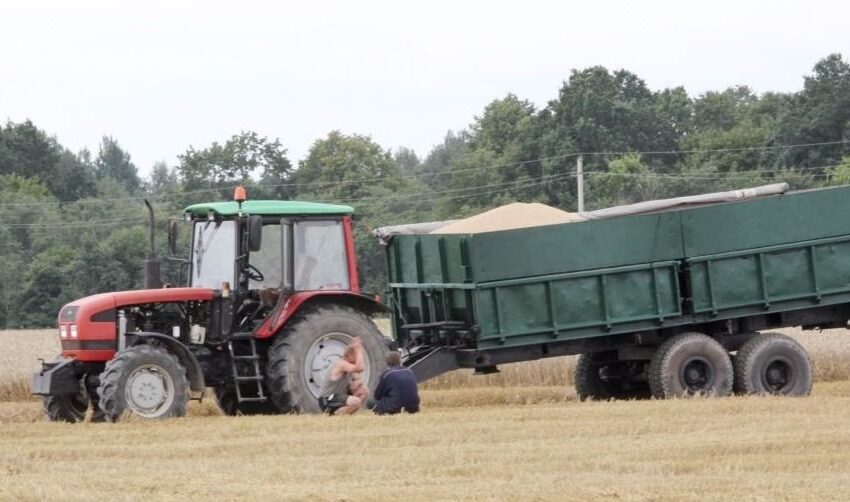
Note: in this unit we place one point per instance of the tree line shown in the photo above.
(73, 224)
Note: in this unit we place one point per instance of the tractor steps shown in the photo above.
(249, 387)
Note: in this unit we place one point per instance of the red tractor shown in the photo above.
(271, 301)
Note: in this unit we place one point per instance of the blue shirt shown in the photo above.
(396, 391)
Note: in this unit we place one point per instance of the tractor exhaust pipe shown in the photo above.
(288, 279)
(151, 269)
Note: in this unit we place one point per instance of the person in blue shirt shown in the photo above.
(396, 389)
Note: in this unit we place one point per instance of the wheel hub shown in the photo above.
(321, 355)
(149, 391)
(697, 374)
(777, 375)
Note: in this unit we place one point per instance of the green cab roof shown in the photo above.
(267, 208)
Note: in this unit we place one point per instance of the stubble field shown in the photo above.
(517, 434)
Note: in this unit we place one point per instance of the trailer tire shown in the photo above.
(146, 380)
(772, 363)
(690, 364)
(70, 409)
(291, 388)
(589, 383)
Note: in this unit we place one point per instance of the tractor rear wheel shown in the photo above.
(145, 380)
(773, 364)
(690, 364)
(600, 376)
(66, 408)
(304, 351)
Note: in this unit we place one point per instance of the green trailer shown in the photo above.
(663, 303)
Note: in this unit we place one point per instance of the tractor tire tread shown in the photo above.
(110, 380)
(285, 394)
(65, 408)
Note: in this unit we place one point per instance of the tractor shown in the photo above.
(271, 299)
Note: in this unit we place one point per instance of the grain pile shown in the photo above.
(516, 215)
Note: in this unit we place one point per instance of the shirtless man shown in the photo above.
(343, 392)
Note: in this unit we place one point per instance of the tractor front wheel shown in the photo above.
(302, 354)
(145, 380)
(66, 408)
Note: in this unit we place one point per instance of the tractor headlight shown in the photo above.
(73, 331)
(63, 331)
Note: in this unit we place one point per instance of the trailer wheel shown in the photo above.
(590, 384)
(66, 408)
(772, 363)
(690, 364)
(145, 380)
(302, 354)
(226, 400)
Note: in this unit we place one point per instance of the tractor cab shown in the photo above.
(257, 252)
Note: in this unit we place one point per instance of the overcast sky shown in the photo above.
(161, 76)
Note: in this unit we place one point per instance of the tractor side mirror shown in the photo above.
(255, 233)
(173, 228)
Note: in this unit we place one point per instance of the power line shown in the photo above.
(473, 191)
(424, 174)
(731, 174)
(76, 224)
(720, 150)
(520, 186)
(541, 179)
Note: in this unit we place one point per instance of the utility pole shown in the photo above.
(580, 183)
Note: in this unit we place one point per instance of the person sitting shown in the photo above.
(341, 390)
(357, 388)
(396, 389)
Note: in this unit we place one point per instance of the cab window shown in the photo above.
(320, 259)
(268, 259)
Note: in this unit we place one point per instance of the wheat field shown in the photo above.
(726, 449)
(519, 434)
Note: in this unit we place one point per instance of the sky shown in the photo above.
(163, 76)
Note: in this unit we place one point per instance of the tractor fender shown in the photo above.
(292, 305)
(187, 359)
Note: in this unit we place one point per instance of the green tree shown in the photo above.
(77, 177)
(237, 161)
(840, 174)
(626, 181)
(49, 283)
(499, 161)
(28, 151)
(353, 169)
(407, 161)
(113, 162)
(819, 113)
(345, 168)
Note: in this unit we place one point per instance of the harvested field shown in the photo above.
(732, 449)
(517, 434)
